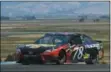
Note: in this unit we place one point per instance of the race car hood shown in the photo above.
(38, 48)
(35, 45)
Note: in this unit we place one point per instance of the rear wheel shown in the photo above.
(61, 58)
(17, 58)
(92, 61)
(93, 57)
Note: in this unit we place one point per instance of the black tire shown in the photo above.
(92, 61)
(61, 58)
(25, 61)
(93, 56)
(18, 60)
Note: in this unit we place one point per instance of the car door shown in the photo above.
(75, 40)
(78, 49)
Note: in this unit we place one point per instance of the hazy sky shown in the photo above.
(56, 8)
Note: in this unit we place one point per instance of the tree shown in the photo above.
(96, 20)
(81, 20)
(5, 18)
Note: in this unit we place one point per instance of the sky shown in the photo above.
(53, 8)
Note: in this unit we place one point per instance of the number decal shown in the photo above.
(78, 53)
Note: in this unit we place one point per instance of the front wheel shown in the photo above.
(61, 58)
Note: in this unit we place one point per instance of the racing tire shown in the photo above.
(92, 61)
(62, 58)
(93, 57)
(17, 59)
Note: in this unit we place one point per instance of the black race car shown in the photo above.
(61, 48)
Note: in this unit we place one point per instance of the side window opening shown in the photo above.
(75, 40)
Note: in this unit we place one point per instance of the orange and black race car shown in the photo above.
(61, 48)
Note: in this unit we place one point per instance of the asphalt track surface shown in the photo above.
(52, 67)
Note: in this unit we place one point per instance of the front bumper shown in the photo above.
(45, 57)
(49, 58)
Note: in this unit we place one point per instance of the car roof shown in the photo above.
(62, 33)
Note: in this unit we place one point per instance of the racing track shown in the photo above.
(51, 67)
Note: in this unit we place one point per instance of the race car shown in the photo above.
(61, 48)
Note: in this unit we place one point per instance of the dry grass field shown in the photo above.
(23, 32)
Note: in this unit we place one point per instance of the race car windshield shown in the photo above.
(53, 40)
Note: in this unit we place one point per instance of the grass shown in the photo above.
(25, 32)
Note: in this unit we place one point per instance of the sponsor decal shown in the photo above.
(92, 46)
(33, 46)
(86, 56)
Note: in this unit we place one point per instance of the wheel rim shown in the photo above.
(62, 57)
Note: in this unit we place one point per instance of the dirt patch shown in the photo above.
(3, 59)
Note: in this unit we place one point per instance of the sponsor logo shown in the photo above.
(92, 46)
